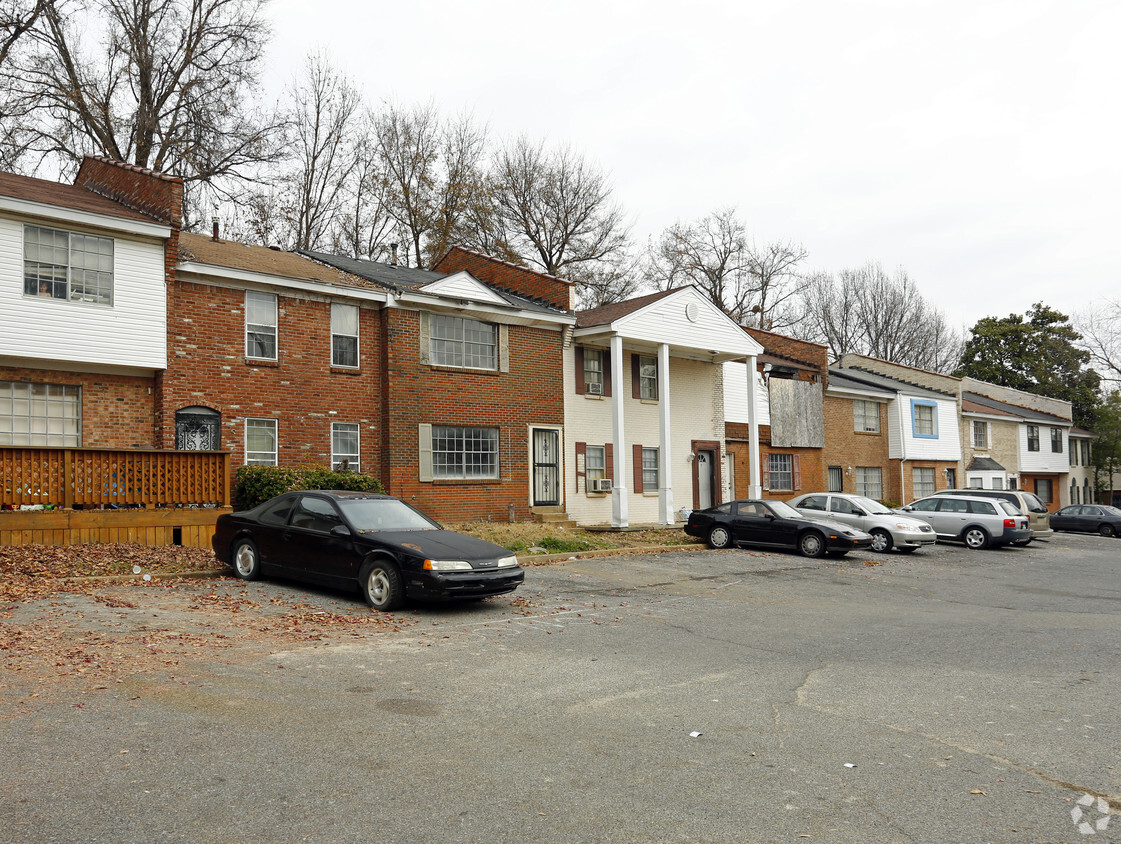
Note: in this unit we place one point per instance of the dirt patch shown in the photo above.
(520, 537)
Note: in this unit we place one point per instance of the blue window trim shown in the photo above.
(934, 416)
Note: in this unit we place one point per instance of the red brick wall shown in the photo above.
(117, 410)
(531, 392)
(812, 354)
(847, 447)
(509, 276)
(810, 462)
(154, 194)
(207, 366)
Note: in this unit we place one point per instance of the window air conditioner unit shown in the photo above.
(594, 388)
(601, 485)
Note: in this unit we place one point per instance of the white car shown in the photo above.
(889, 529)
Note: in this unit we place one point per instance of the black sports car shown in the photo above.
(776, 525)
(379, 543)
(1095, 518)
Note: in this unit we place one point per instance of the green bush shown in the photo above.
(254, 484)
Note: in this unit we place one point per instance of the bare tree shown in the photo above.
(365, 227)
(1100, 328)
(166, 87)
(829, 313)
(17, 17)
(459, 186)
(408, 143)
(775, 282)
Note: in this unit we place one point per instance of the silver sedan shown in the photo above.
(889, 529)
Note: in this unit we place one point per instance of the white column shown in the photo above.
(665, 474)
(618, 439)
(755, 486)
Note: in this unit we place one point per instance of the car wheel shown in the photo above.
(975, 538)
(811, 544)
(719, 537)
(881, 540)
(247, 562)
(1105, 530)
(381, 585)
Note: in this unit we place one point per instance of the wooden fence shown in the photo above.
(111, 495)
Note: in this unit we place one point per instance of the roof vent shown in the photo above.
(393, 259)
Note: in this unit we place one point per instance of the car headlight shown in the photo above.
(507, 562)
(903, 526)
(446, 565)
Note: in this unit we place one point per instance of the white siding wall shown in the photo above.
(665, 320)
(894, 441)
(695, 405)
(735, 395)
(130, 333)
(1043, 460)
(947, 446)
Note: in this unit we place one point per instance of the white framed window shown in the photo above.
(344, 335)
(260, 325)
(593, 372)
(869, 481)
(998, 482)
(595, 464)
(922, 481)
(40, 414)
(648, 377)
(463, 342)
(345, 447)
(980, 434)
(649, 468)
(1057, 440)
(260, 442)
(781, 471)
(924, 419)
(67, 265)
(464, 453)
(866, 416)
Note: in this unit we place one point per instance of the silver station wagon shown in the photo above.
(888, 528)
(978, 522)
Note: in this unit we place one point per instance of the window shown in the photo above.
(344, 335)
(1074, 491)
(40, 414)
(951, 477)
(1057, 440)
(1033, 438)
(836, 479)
(648, 377)
(316, 514)
(983, 508)
(1085, 452)
(782, 471)
(260, 325)
(464, 342)
(593, 372)
(866, 416)
(345, 455)
(924, 419)
(67, 265)
(595, 465)
(464, 452)
(1043, 490)
(260, 442)
(980, 434)
(198, 429)
(998, 482)
(650, 468)
(922, 481)
(869, 482)
(1087, 496)
(1074, 452)
(976, 482)
(813, 502)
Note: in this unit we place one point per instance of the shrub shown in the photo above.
(254, 484)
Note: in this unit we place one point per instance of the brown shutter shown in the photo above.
(636, 455)
(609, 461)
(765, 473)
(581, 465)
(606, 358)
(581, 388)
(797, 471)
(636, 384)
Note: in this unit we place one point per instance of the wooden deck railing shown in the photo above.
(94, 478)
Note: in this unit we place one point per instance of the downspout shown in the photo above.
(902, 454)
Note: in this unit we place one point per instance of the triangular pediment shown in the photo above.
(687, 318)
(463, 285)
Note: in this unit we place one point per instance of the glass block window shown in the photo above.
(649, 468)
(869, 481)
(1033, 438)
(922, 481)
(866, 416)
(648, 377)
(260, 442)
(1057, 440)
(782, 471)
(593, 371)
(260, 325)
(345, 454)
(980, 434)
(67, 265)
(40, 414)
(344, 335)
(464, 342)
(464, 452)
(836, 479)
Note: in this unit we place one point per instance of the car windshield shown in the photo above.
(871, 505)
(1113, 511)
(374, 514)
(1033, 503)
(1009, 508)
(781, 508)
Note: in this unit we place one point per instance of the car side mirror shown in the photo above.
(340, 530)
(770, 516)
(907, 507)
(859, 512)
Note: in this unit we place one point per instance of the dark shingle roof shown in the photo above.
(984, 464)
(607, 314)
(874, 379)
(840, 379)
(1011, 409)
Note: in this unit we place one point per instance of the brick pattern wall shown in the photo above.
(845, 447)
(803, 351)
(154, 194)
(811, 462)
(509, 276)
(117, 410)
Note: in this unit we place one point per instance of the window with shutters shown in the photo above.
(595, 465)
(593, 372)
(461, 342)
(650, 469)
(980, 434)
(465, 453)
(647, 377)
(781, 472)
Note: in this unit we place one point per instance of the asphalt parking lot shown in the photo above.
(944, 696)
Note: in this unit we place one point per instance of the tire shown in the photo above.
(381, 585)
(975, 538)
(881, 541)
(1105, 530)
(246, 559)
(811, 544)
(720, 537)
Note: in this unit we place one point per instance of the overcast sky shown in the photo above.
(974, 143)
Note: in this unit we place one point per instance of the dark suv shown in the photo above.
(1026, 502)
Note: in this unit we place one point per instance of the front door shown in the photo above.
(706, 476)
(546, 467)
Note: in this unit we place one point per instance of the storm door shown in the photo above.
(546, 467)
(198, 429)
(706, 472)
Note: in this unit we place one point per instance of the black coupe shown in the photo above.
(773, 524)
(389, 549)
(1094, 518)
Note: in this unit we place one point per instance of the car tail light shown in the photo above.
(1010, 523)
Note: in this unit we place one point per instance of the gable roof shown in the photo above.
(876, 380)
(606, 314)
(993, 406)
(984, 464)
(508, 277)
(262, 259)
(45, 192)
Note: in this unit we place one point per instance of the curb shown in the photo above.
(202, 574)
